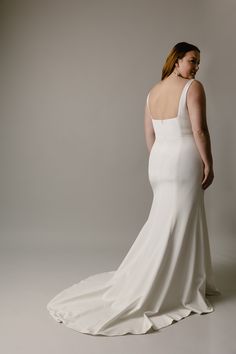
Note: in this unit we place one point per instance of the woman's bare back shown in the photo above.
(164, 98)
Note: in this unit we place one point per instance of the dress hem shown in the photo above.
(155, 327)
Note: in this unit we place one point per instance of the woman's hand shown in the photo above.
(208, 176)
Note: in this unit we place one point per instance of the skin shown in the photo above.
(187, 68)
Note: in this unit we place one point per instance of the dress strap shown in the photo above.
(148, 104)
(183, 98)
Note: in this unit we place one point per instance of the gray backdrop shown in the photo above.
(74, 188)
(75, 75)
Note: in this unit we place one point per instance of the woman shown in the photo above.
(167, 272)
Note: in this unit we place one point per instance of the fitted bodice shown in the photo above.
(174, 127)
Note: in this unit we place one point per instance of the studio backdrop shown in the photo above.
(75, 77)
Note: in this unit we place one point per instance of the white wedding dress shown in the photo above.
(167, 272)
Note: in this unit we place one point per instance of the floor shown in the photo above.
(30, 276)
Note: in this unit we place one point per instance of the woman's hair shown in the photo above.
(177, 52)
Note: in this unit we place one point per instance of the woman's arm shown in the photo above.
(196, 103)
(148, 129)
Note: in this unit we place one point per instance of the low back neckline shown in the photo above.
(172, 118)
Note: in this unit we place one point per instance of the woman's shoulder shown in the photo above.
(197, 83)
(196, 88)
(155, 87)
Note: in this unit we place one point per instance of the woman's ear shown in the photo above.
(177, 63)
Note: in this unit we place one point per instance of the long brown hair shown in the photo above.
(177, 52)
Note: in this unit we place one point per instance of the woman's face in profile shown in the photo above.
(189, 64)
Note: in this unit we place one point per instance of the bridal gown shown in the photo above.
(167, 273)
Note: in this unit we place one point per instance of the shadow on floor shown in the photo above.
(225, 275)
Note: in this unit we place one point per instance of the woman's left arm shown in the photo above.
(148, 129)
